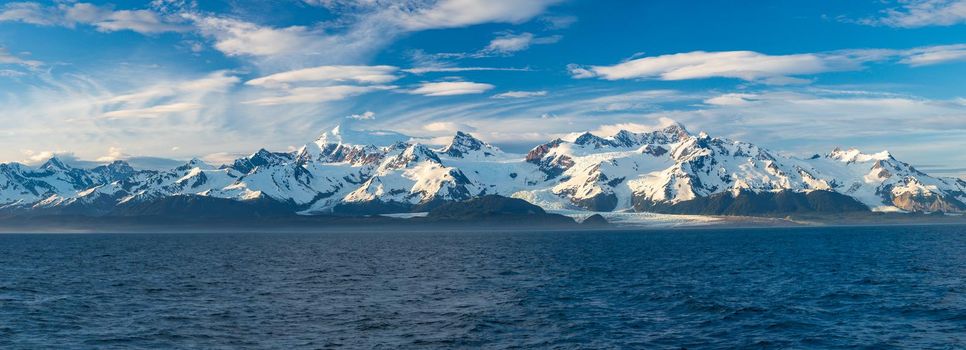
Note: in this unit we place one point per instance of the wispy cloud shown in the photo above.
(103, 18)
(558, 22)
(363, 28)
(166, 92)
(367, 115)
(447, 127)
(745, 65)
(934, 55)
(451, 88)
(510, 43)
(7, 58)
(461, 13)
(292, 47)
(763, 68)
(318, 94)
(358, 74)
(504, 44)
(153, 111)
(731, 99)
(921, 13)
(521, 94)
(322, 84)
(444, 69)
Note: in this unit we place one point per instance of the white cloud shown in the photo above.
(509, 43)
(141, 21)
(359, 74)
(103, 18)
(9, 73)
(28, 12)
(921, 13)
(295, 47)
(7, 58)
(934, 55)
(148, 115)
(447, 127)
(238, 38)
(358, 30)
(322, 84)
(762, 68)
(451, 88)
(504, 44)
(113, 153)
(367, 115)
(732, 99)
(443, 69)
(215, 82)
(558, 22)
(745, 65)
(223, 157)
(462, 13)
(521, 94)
(316, 94)
(35, 158)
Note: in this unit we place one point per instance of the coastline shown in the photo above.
(321, 224)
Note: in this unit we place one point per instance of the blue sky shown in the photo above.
(178, 79)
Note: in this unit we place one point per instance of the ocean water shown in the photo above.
(874, 287)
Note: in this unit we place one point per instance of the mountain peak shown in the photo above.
(118, 166)
(667, 132)
(118, 162)
(671, 127)
(414, 153)
(464, 144)
(588, 138)
(260, 153)
(198, 163)
(852, 155)
(54, 163)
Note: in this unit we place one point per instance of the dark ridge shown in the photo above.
(377, 207)
(193, 206)
(595, 220)
(748, 203)
(496, 209)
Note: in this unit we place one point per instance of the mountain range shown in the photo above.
(353, 172)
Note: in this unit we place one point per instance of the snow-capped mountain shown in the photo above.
(365, 172)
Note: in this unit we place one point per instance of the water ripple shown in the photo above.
(896, 287)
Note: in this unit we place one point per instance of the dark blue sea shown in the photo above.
(848, 287)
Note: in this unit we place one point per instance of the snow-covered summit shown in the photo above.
(465, 145)
(852, 155)
(54, 163)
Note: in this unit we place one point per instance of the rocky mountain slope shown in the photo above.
(366, 172)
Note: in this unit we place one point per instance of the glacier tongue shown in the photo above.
(383, 171)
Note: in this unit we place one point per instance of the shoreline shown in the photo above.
(330, 224)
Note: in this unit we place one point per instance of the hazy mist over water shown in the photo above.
(840, 287)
